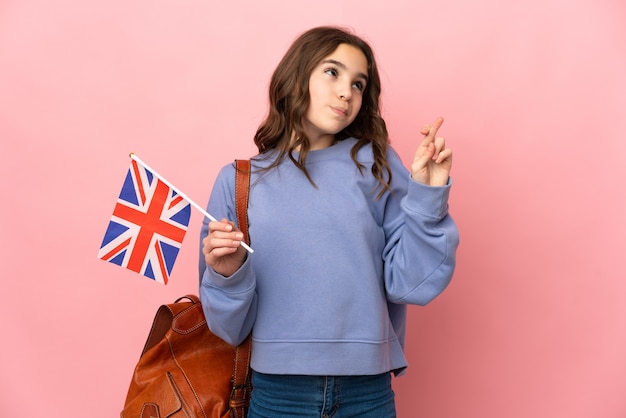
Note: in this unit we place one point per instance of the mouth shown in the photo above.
(341, 111)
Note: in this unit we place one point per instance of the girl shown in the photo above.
(344, 237)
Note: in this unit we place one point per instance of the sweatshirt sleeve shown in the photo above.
(229, 303)
(421, 238)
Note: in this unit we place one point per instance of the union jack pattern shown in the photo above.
(148, 225)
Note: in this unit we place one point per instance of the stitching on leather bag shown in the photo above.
(190, 330)
(195, 395)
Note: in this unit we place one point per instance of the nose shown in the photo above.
(345, 92)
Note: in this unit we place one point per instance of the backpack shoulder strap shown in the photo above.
(242, 193)
(240, 393)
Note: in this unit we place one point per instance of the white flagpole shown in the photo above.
(183, 195)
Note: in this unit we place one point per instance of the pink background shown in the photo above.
(534, 96)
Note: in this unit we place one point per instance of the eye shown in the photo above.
(331, 71)
(359, 85)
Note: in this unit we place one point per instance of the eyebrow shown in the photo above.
(343, 67)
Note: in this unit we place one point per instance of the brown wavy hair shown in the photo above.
(289, 100)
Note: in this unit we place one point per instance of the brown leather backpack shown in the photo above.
(184, 369)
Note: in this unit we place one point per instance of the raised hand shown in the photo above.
(222, 247)
(433, 161)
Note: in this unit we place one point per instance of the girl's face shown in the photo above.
(336, 89)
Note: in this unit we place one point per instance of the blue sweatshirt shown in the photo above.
(326, 289)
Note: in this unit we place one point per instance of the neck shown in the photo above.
(317, 143)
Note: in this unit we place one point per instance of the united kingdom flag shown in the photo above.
(148, 225)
